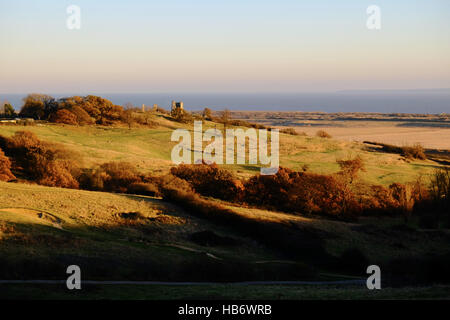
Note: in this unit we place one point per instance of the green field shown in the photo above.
(150, 150)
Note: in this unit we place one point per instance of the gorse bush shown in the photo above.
(144, 188)
(292, 132)
(414, 152)
(181, 115)
(301, 192)
(210, 180)
(111, 176)
(121, 177)
(57, 173)
(375, 200)
(323, 134)
(5, 168)
(46, 163)
(410, 152)
(289, 191)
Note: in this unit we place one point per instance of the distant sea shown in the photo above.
(406, 101)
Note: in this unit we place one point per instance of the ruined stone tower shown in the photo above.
(177, 106)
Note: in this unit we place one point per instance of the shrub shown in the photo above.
(323, 134)
(291, 131)
(414, 152)
(181, 115)
(210, 180)
(142, 188)
(162, 110)
(435, 209)
(301, 192)
(111, 176)
(350, 168)
(440, 186)
(43, 162)
(5, 168)
(57, 174)
(410, 152)
(403, 194)
(376, 199)
(146, 118)
(207, 114)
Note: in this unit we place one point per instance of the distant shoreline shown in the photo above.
(411, 102)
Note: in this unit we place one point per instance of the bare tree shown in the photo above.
(225, 117)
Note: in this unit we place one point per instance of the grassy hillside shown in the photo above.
(150, 149)
(124, 237)
(129, 237)
(48, 224)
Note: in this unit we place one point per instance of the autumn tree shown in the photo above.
(225, 117)
(64, 116)
(350, 168)
(101, 110)
(7, 111)
(83, 118)
(207, 114)
(38, 106)
(127, 117)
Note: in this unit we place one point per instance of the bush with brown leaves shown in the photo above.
(57, 174)
(64, 116)
(323, 134)
(5, 168)
(111, 177)
(350, 168)
(43, 162)
(210, 180)
(301, 192)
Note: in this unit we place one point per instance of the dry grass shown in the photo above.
(76, 207)
(149, 150)
(385, 132)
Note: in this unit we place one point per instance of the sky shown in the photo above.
(223, 46)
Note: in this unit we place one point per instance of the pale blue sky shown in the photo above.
(223, 46)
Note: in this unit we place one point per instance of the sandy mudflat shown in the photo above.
(392, 133)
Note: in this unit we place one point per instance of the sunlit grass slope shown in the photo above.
(149, 149)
